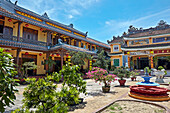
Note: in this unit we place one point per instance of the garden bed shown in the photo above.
(133, 106)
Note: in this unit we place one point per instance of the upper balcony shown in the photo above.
(11, 41)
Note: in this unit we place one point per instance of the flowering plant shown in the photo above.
(101, 75)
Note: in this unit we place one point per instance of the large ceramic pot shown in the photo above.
(106, 89)
(122, 82)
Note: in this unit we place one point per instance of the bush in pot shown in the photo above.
(122, 73)
(133, 75)
(101, 75)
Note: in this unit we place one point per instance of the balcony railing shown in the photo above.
(8, 40)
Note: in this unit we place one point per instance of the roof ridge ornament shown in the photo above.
(45, 15)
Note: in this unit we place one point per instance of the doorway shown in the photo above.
(142, 62)
(30, 58)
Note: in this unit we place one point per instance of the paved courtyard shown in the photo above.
(95, 98)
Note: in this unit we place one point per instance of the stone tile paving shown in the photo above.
(95, 98)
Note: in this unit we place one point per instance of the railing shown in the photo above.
(22, 40)
(8, 40)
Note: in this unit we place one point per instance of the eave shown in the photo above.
(145, 37)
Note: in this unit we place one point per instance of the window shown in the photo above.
(116, 62)
(136, 42)
(116, 48)
(30, 34)
(161, 39)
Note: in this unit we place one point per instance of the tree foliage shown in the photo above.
(43, 96)
(73, 83)
(7, 83)
(101, 61)
(78, 58)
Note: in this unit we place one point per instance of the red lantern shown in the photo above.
(40, 54)
(9, 20)
(41, 29)
(97, 46)
(52, 55)
(66, 55)
(87, 43)
(26, 53)
(58, 54)
(26, 25)
(139, 58)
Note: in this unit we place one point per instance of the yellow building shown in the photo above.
(32, 37)
(146, 47)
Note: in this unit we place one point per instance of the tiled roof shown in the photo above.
(147, 46)
(105, 45)
(31, 21)
(45, 19)
(72, 48)
(116, 40)
(161, 28)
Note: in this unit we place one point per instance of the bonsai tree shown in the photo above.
(101, 61)
(148, 70)
(28, 66)
(160, 68)
(101, 75)
(133, 75)
(7, 83)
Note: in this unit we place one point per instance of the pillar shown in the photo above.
(129, 62)
(151, 60)
(18, 52)
(18, 33)
(46, 65)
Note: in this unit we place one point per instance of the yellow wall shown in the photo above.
(117, 57)
(120, 50)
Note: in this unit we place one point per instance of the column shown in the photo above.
(129, 62)
(151, 60)
(18, 33)
(46, 65)
(49, 39)
(18, 52)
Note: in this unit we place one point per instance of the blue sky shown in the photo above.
(103, 19)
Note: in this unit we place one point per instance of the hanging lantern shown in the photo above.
(97, 46)
(40, 54)
(52, 55)
(87, 43)
(41, 29)
(139, 58)
(57, 54)
(26, 53)
(66, 55)
(9, 20)
(7, 50)
(26, 25)
(69, 56)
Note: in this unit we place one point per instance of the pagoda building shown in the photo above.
(145, 47)
(32, 37)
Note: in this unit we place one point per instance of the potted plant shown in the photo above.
(101, 75)
(148, 70)
(121, 73)
(133, 75)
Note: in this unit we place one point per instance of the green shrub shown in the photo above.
(7, 83)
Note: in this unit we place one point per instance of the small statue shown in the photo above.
(60, 41)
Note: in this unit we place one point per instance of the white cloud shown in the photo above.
(116, 27)
(70, 16)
